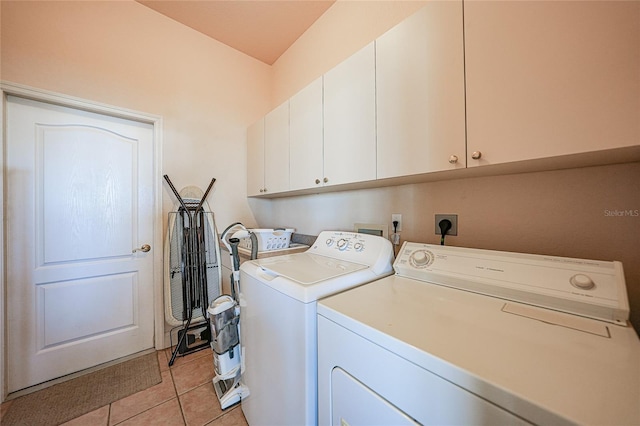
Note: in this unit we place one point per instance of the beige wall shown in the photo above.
(559, 213)
(124, 54)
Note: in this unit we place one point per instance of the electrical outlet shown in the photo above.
(398, 217)
(454, 223)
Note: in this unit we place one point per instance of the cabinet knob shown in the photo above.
(265, 190)
(476, 155)
(453, 159)
(261, 190)
(325, 180)
(317, 181)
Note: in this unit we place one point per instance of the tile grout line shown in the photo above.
(173, 382)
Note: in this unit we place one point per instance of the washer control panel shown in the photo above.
(346, 241)
(371, 250)
(584, 287)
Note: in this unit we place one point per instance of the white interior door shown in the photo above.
(79, 200)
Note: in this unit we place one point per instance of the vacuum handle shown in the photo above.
(233, 242)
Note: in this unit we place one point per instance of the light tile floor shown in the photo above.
(184, 397)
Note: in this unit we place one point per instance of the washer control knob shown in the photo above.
(421, 258)
(453, 159)
(358, 246)
(329, 242)
(582, 281)
(343, 244)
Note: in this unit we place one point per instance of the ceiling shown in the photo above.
(263, 29)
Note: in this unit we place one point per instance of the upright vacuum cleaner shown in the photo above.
(224, 317)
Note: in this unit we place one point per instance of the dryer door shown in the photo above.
(353, 403)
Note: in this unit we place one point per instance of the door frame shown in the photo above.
(41, 95)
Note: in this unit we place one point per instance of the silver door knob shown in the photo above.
(453, 159)
(145, 248)
(325, 180)
(476, 155)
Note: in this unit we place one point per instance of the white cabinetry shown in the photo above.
(276, 149)
(306, 130)
(420, 93)
(255, 158)
(350, 119)
(546, 79)
(268, 153)
(541, 80)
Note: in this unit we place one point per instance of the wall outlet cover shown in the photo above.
(398, 217)
(454, 223)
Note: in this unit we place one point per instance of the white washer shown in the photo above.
(466, 336)
(278, 320)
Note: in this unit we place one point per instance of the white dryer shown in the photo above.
(278, 320)
(466, 336)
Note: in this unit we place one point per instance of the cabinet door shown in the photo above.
(305, 128)
(551, 78)
(276, 150)
(349, 119)
(255, 158)
(420, 93)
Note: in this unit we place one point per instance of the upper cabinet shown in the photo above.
(420, 93)
(268, 153)
(546, 79)
(306, 129)
(276, 149)
(459, 85)
(350, 119)
(255, 159)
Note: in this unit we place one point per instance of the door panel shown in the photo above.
(550, 78)
(255, 158)
(79, 200)
(64, 320)
(306, 137)
(85, 196)
(276, 149)
(350, 119)
(420, 93)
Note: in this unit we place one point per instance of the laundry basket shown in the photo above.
(269, 239)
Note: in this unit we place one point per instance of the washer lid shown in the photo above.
(307, 268)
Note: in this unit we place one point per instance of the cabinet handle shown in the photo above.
(325, 180)
(476, 155)
(261, 190)
(317, 181)
(453, 159)
(265, 190)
